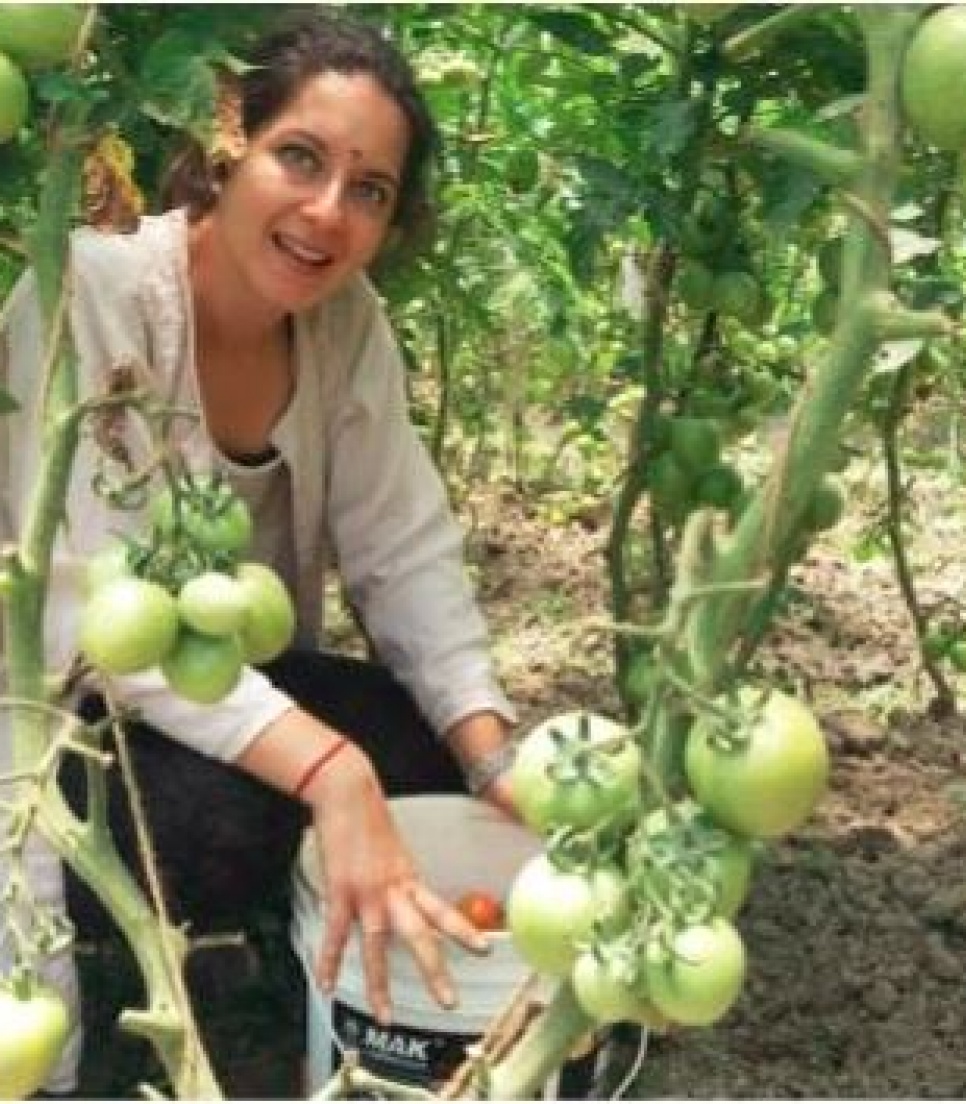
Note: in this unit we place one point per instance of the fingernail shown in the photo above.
(447, 997)
(482, 945)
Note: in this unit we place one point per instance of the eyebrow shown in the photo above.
(382, 175)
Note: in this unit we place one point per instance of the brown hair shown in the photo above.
(300, 48)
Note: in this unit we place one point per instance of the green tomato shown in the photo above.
(769, 780)
(720, 486)
(208, 512)
(695, 444)
(931, 82)
(694, 283)
(700, 976)
(549, 911)
(213, 603)
(39, 35)
(827, 507)
(128, 625)
(201, 668)
(669, 483)
(14, 99)
(737, 295)
(33, 1030)
(561, 776)
(270, 622)
(607, 995)
(692, 846)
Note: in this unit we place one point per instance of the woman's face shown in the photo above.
(311, 201)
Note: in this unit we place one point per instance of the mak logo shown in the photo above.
(386, 1042)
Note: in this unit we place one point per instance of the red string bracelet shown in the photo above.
(317, 764)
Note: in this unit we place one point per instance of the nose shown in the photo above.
(326, 203)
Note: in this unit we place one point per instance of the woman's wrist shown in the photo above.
(483, 747)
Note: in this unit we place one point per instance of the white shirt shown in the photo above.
(364, 494)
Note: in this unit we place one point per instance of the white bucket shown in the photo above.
(460, 845)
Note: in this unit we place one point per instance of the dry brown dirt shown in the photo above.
(856, 925)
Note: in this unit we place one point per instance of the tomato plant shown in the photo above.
(39, 35)
(764, 777)
(128, 625)
(699, 975)
(482, 909)
(269, 624)
(214, 603)
(14, 99)
(207, 511)
(33, 1030)
(577, 770)
(203, 668)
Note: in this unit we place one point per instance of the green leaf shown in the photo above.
(575, 28)
(178, 86)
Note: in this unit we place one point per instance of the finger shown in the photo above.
(374, 939)
(424, 945)
(448, 920)
(337, 928)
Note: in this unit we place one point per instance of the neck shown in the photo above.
(225, 310)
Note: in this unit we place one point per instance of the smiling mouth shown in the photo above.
(314, 259)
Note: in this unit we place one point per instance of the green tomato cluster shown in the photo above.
(686, 469)
(202, 629)
(32, 36)
(640, 919)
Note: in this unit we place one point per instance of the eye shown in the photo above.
(372, 193)
(299, 158)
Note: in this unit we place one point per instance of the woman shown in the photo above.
(247, 302)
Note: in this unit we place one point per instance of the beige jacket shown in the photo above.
(366, 496)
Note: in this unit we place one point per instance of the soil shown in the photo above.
(856, 925)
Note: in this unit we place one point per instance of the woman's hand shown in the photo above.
(369, 878)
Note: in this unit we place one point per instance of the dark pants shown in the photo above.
(224, 842)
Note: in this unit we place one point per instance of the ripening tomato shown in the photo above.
(482, 910)
(214, 603)
(128, 625)
(269, 625)
(576, 770)
(768, 781)
(699, 977)
(33, 1030)
(548, 912)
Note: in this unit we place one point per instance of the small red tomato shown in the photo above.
(482, 910)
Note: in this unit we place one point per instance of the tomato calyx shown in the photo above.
(730, 723)
(582, 757)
